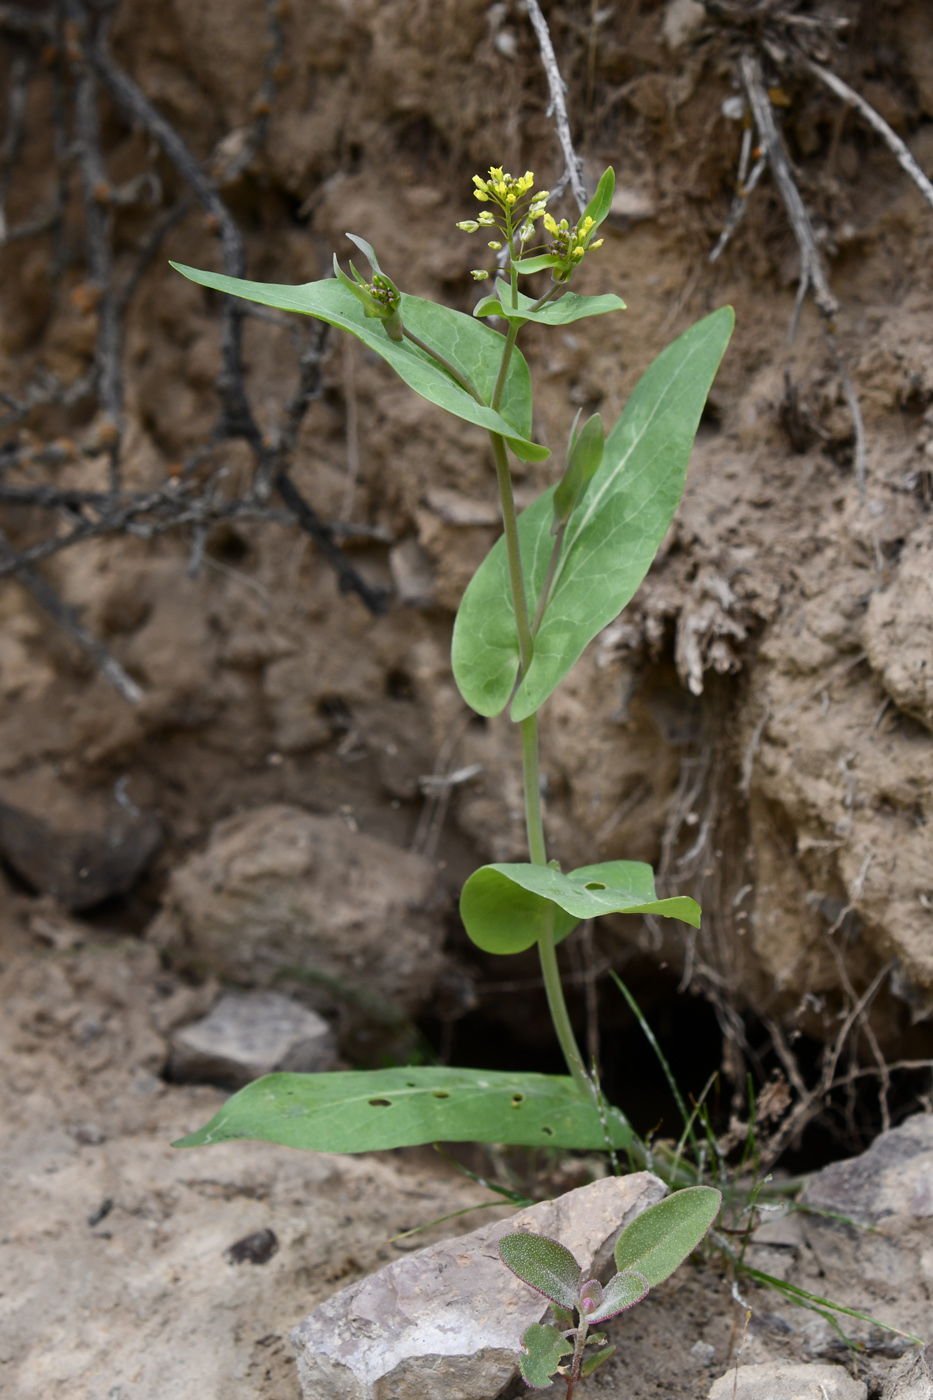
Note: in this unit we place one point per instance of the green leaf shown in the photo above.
(536, 264)
(476, 350)
(599, 206)
(559, 312)
(611, 538)
(505, 908)
(584, 457)
(368, 1110)
(591, 1362)
(622, 1291)
(544, 1265)
(663, 1235)
(544, 1348)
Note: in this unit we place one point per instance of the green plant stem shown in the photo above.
(534, 820)
(548, 580)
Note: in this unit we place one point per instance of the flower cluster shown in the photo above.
(519, 205)
(568, 244)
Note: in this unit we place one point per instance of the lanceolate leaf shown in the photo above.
(366, 1110)
(611, 538)
(505, 908)
(544, 1348)
(475, 349)
(599, 206)
(592, 1362)
(559, 312)
(622, 1291)
(544, 1265)
(663, 1235)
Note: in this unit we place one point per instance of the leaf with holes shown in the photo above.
(611, 537)
(544, 1265)
(369, 1110)
(506, 908)
(663, 1235)
(544, 1349)
(475, 350)
(622, 1291)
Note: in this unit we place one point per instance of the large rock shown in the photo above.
(446, 1323)
(779, 1380)
(279, 887)
(244, 1037)
(894, 1177)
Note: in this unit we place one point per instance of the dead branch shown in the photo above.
(69, 621)
(573, 165)
(875, 120)
(812, 274)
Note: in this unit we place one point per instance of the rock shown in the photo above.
(911, 1378)
(894, 1177)
(899, 631)
(683, 20)
(446, 1323)
(778, 1380)
(247, 1036)
(279, 887)
(81, 854)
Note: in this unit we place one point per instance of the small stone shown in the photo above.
(778, 1380)
(246, 1036)
(683, 20)
(446, 1323)
(704, 1352)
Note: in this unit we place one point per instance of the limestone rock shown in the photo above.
(894, 1177)
(911, 1378)
(246, 1036)
(280, 887)
(446, 1323)
(778, 1380)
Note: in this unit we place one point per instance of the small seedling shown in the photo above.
(646, 1253)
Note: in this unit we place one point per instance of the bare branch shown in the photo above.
(555, 83)
(875, 120)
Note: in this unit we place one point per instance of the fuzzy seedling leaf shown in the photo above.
(597, 1359)
(544, 1348)
(544, 1265)
(369, 1110)
(611, 538)
(506, 908)
(663, 1235)
(475, 349)
(622, 1291)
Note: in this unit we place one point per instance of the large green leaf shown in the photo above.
(559, 312)
(663, 1235)
(367, 1110)
(544, 1265)
(505, 908)
(475, 349)
(611, 537)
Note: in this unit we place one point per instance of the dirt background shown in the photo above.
(757, 725)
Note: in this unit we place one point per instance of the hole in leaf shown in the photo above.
(517, 1099)
(410, 1085)
(441, 1094)
(595, 885)
(548, 1132)
(380, 1103)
